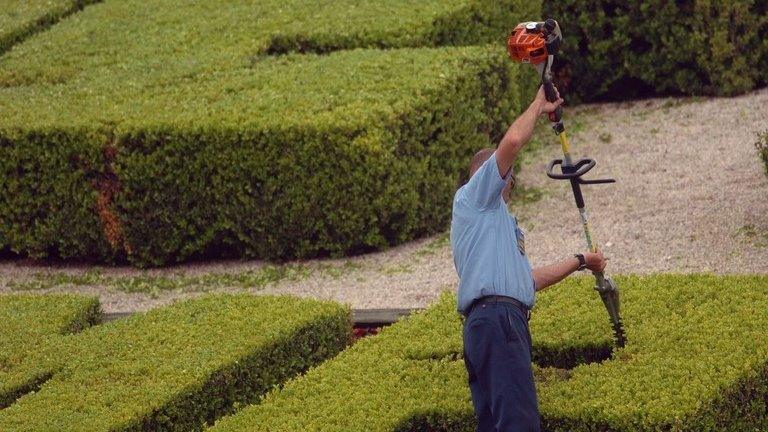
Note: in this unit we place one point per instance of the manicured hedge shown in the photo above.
(618, 50)
(27, 323)
(381, 383)
(49, 181)
(21, 18)
(158, 130)
(164, 41)
(179, 367)
(398, 23)
(694, 361)
(300, 155)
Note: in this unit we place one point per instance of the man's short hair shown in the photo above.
(479, 158)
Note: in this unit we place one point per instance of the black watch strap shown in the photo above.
(582, 261)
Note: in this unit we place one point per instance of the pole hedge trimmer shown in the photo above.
(537, 43)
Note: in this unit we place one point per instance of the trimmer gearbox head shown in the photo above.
(532, 42)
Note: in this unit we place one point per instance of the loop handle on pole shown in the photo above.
(575, 171)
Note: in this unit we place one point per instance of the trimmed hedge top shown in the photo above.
(28, 323)
(347, 90)
(382, 383)
(163, 41)
(28, 318)
(693, 362)
(21, 18)
(176, 368)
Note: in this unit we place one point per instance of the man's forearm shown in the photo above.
(554, 273)
(517, 135)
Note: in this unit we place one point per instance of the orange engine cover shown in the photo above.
(527, 43)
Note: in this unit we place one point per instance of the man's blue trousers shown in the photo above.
(497, 354)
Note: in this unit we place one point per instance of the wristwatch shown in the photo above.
(582, 261)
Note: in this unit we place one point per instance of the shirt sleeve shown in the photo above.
(484, 188)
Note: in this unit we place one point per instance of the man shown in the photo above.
(497, 284)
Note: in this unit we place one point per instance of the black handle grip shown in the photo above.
(597, 181)
(551, 95)
(549, 90)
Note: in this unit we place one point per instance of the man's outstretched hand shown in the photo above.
(546, 107)
(595, 261)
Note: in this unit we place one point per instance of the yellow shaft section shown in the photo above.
(564, 143)
(591, 244)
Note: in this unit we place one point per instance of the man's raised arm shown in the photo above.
(521, 130)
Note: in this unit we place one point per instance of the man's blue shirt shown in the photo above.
(488, 246)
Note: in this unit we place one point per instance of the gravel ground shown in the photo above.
(690, 197)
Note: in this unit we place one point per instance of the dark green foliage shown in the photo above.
(20, 19)
(296, 156)
(619, 50)
(762, 148)
(49, 185)
(178, 367)
(28, 322)
(691, 363)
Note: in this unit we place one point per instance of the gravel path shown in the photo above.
(690, 197)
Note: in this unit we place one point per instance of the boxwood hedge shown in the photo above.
(165, 41)
(178, 367)
(299, 155)
(618, 50)
(400, 23)
(382, 383)
(694, 361)
(29, 322)
(21, 18)
(161, 130)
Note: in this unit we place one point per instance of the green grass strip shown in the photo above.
(694, 361)
(179, 367)
(153, 284)
(29, 322)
